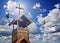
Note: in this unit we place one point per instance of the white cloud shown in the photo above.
(53, 17)
(37, 36)
(6, 13)
(54, 36)
(51, 20)
(5, 6)
(29, 15)
(11, 7)
(34, 35)
(57, 5)
(51, 29)
(44, 37)
(36, 6)
(32, 27)
(40, 19)
(5, 39)
(3, 21)
(5, 28)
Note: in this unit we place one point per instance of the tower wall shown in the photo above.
(20, 34)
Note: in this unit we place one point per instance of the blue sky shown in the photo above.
(36, 10)
(45, 4)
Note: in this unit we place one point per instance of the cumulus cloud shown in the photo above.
(40, 18)
(11, 7)
(52, 23)
(2, 22)
(5, 39)
(5, 34)
(57, 5)
(52, 18)
(29, 15)
(32, 27)
(54, 36)
(36, 6)
(5, 30)
(34, 32)
(36, 38)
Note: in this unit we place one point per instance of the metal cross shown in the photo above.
(19, 14)
(19, 8)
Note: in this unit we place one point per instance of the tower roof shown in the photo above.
(23, 20)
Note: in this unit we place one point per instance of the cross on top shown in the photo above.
(19, 8)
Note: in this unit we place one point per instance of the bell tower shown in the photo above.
(21, 33)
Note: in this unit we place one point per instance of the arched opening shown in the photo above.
(23, 41)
